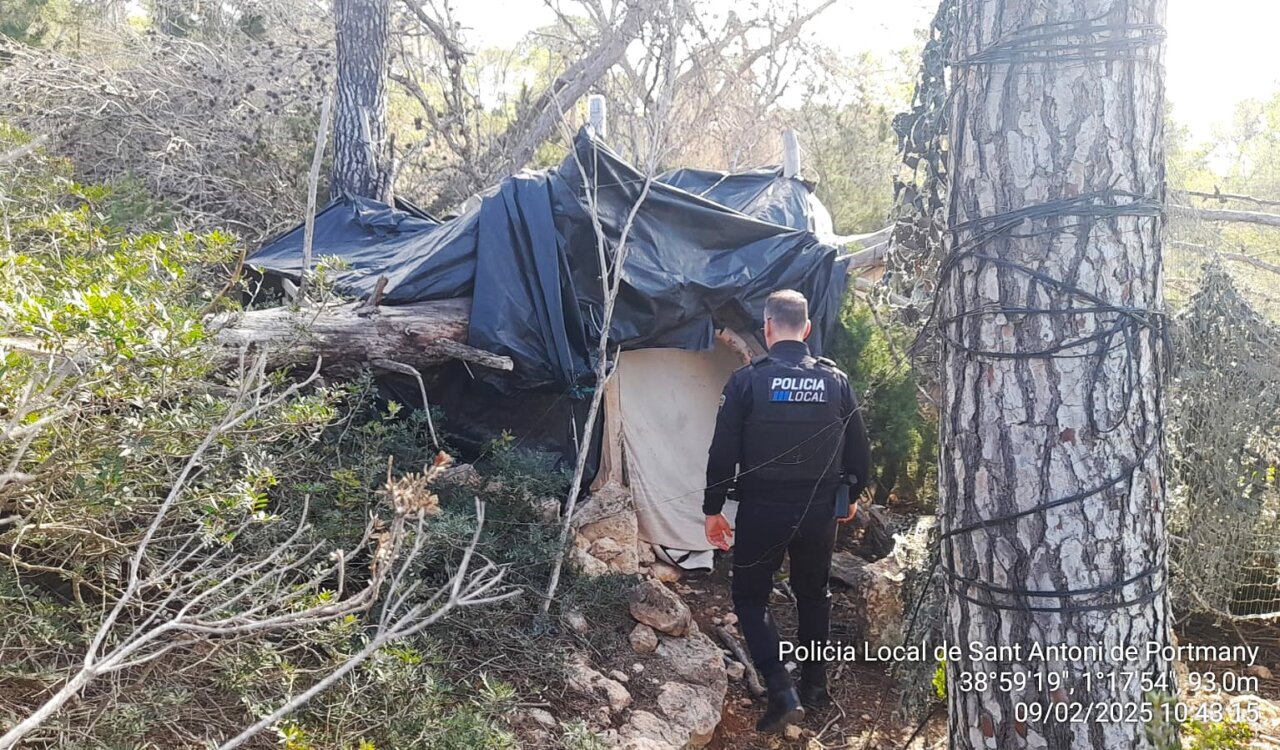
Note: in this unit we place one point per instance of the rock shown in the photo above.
(462, 475)
(665, 572)
(605, 528)
(619, 675)
(745, 702)
(605, 548)
(875, 599)
(792, 732)
(547, 508)
(586, 564)
(638, 667)
(585, 680)
(690, 708)
(695, 659)
(1259, 671)
(736, 670)
(731, 619)
(644, 743)
(543, 717)
(645, 554)
(689, 700)
(576, 622)
(645, 731)
(644, 640)
(657, 606)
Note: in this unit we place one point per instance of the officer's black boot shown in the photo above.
(813, 685)
(784, 703)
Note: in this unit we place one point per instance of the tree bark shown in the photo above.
(361, 166)
(348, 339)
(1050, 468)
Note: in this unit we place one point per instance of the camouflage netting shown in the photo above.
(1223, 428)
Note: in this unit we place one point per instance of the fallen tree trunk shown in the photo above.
(349, 338)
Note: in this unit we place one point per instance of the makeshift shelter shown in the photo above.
(704, 251)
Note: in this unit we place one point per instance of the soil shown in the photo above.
(864, 712)
(864, 696)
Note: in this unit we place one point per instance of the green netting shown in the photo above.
(1223, 428)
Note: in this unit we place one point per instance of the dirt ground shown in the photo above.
(865, 696)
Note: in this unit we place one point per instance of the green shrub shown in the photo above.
(903, 436)
(122, 314)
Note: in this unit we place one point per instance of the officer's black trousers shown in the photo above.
(763, 533)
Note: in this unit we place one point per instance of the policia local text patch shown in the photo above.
(799, 390)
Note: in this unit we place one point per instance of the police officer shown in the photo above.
(790, 431)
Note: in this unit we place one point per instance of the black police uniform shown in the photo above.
(790, 431)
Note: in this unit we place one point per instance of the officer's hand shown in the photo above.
(719, 531)
(852, 514)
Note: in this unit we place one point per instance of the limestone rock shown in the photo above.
(576, 622)
(657, 606)
(547, 508)
(695, 660)
(643, 639)
(585, 680)
(792, 732)
(462, 475)
(875, 599)
(543, 717)
(689, 703)
(665, 572)
(605, 529)
(736, 670)
(619, 675)
(1259, 671)
(645, 731)
(692, 709)
(586, 564)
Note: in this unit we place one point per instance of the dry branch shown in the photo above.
(753, 678)
(1227, 215)
(1224, 197)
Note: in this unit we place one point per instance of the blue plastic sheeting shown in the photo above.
(528, 255)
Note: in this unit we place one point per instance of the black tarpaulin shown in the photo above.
(759, 193)
(528, 256)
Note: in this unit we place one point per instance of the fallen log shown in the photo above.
(348, 339)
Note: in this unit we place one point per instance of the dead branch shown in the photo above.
(753, 677)
(1222, 197)
(611, 276)
(466, 588)
(1236, 257)
(1227, 215)
(193, 589)
(313, 184)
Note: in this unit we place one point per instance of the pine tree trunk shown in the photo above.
(1062, 125)
(360, 163)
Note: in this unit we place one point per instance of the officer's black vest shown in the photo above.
(794, 432)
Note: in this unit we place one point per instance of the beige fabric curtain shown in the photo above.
(668, 400)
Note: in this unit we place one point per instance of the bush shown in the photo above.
(105, 343)
(903, 435)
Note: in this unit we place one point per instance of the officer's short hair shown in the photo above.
(788, 309)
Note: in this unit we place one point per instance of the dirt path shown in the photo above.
(864, 696)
